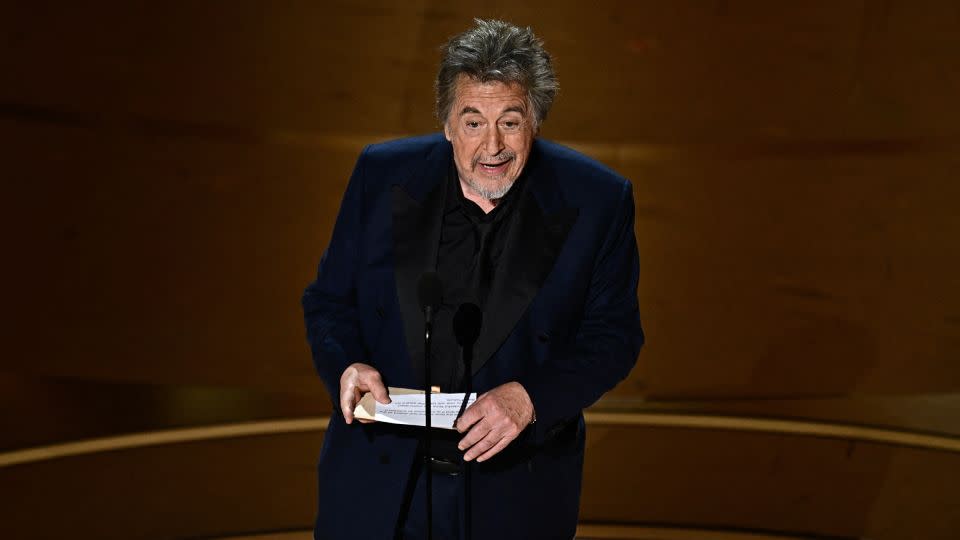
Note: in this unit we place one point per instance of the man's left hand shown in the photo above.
(494, 420)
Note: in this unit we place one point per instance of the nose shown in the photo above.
(494, 141)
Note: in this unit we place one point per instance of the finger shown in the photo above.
(346, 403)
(365, 420)
(488, 442)
(471, 416)
(495, 450)
(475, 435)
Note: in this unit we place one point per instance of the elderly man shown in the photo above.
(541, 239)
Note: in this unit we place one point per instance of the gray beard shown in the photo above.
(490, 195)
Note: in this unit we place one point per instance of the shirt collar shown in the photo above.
(473, 211)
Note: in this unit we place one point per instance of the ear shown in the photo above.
(446, 130)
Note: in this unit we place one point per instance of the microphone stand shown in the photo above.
(467, 353)
(430, 291)
(466, 326)
(428, 332)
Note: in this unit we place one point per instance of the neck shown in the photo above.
(487, 205)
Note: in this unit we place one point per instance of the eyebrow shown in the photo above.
(516, 108)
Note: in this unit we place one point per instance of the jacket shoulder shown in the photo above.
(396, 161)
(409, 149)
(581, 177)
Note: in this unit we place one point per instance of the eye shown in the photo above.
(510, 125)
(472, 124)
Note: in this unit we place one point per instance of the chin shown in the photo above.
(490, 190)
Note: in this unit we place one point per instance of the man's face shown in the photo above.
(491, 129)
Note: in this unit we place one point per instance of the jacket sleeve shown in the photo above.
(330, 303)
(607, 341)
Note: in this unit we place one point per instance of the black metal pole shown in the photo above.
(430, 292)
(467, 353)
(466, 327)
(426, 442)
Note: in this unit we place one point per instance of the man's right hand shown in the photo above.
(357, 380)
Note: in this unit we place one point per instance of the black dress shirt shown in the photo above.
(471, 243)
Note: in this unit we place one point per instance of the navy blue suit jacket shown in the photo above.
(561, 319)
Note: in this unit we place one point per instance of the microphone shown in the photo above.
(430, 293)
(466, 328)
(466, 324)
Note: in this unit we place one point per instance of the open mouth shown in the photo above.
(497, 167)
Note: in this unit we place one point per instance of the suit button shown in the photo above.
(384, 459)
(543, 338)
(379, 312)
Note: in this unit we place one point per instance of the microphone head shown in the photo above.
(429, 291)
(466, 324)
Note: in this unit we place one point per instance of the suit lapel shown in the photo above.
(530, 250)
(417, 217)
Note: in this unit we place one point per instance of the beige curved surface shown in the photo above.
(791, 427)
(713, 479)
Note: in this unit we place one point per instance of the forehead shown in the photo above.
(488, 97)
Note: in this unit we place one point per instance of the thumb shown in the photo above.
(380, 393)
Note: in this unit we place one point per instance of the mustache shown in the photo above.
(506, 155)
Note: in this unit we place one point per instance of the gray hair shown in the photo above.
(497, 51)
